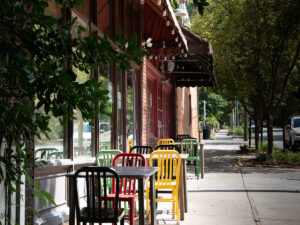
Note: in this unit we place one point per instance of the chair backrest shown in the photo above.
(168, 147)
(130, 160)
(97, 209)
(56, 155)
(166, 141)
(105, 145)
(190, 146)
(107, 156)
(183, 136)
(141, 149)
(169, 163)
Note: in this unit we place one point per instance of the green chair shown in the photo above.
(106, 156)
(190, 146)
(105, 145)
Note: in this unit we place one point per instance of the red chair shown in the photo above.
(127, 185)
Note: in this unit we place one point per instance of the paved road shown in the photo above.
(277, 135)
(230, 195)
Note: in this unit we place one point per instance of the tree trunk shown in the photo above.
(270, 133)
(256, 131)
(245, 125)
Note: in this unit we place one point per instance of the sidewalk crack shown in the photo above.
(253, 209)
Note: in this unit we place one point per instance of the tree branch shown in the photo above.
(291, 67)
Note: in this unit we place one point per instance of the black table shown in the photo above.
(140, 173)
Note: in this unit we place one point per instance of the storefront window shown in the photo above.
(82, 130)
(130, 108)
(105, 121)
(52, 148)
(119, 88)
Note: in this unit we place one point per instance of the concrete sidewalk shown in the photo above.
(230, 195)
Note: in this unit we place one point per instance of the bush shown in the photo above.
(263, 147)
(244, 149)
(237, 131)
(280, 155)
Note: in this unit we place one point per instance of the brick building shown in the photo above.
(156, 99)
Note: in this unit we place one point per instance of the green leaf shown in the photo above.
(48, 196)
(38, 185)
(42, 199)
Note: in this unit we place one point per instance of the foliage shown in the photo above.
(256, 48)
(212, 120)
(37, 80)
(216, 107)
(199, 4)
(244, 149)
(239, 130)
(278, 157)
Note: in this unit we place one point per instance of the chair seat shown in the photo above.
(163, 185)
(123, 197)
(108, 215)
(193, 158)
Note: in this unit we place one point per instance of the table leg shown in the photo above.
(185, 188)
(70, 201)
(141, 185)
(181, 193)
(202, 160)
(152, 201)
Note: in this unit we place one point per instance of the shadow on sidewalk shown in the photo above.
(220, 161)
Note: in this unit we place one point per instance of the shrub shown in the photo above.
(239, 130)
(263, 147)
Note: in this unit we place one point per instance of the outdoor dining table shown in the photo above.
(183, 198)
(140, 173)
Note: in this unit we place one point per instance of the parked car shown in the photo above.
(291, 133)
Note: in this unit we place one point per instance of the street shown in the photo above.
(277, 135)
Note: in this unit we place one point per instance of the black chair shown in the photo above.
(182, 136)
(141, 149)
(97, 209)
(168, 147)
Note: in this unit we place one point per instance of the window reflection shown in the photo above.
(53, 147)
(130, 112)
(82, 130)
(105, 121)
(120, 123)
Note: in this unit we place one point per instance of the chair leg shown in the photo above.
(122, 221)
(131, 208)
(177, 205)
(198, 169)
(173, 203)
(147, 201)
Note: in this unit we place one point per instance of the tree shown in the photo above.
(256, 45)
(37, 55)
(216, 106)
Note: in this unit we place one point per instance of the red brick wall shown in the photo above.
(186, 120)
(149, 71)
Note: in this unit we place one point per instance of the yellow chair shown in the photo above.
(166, 141)
(168, 177)
(130, 145)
